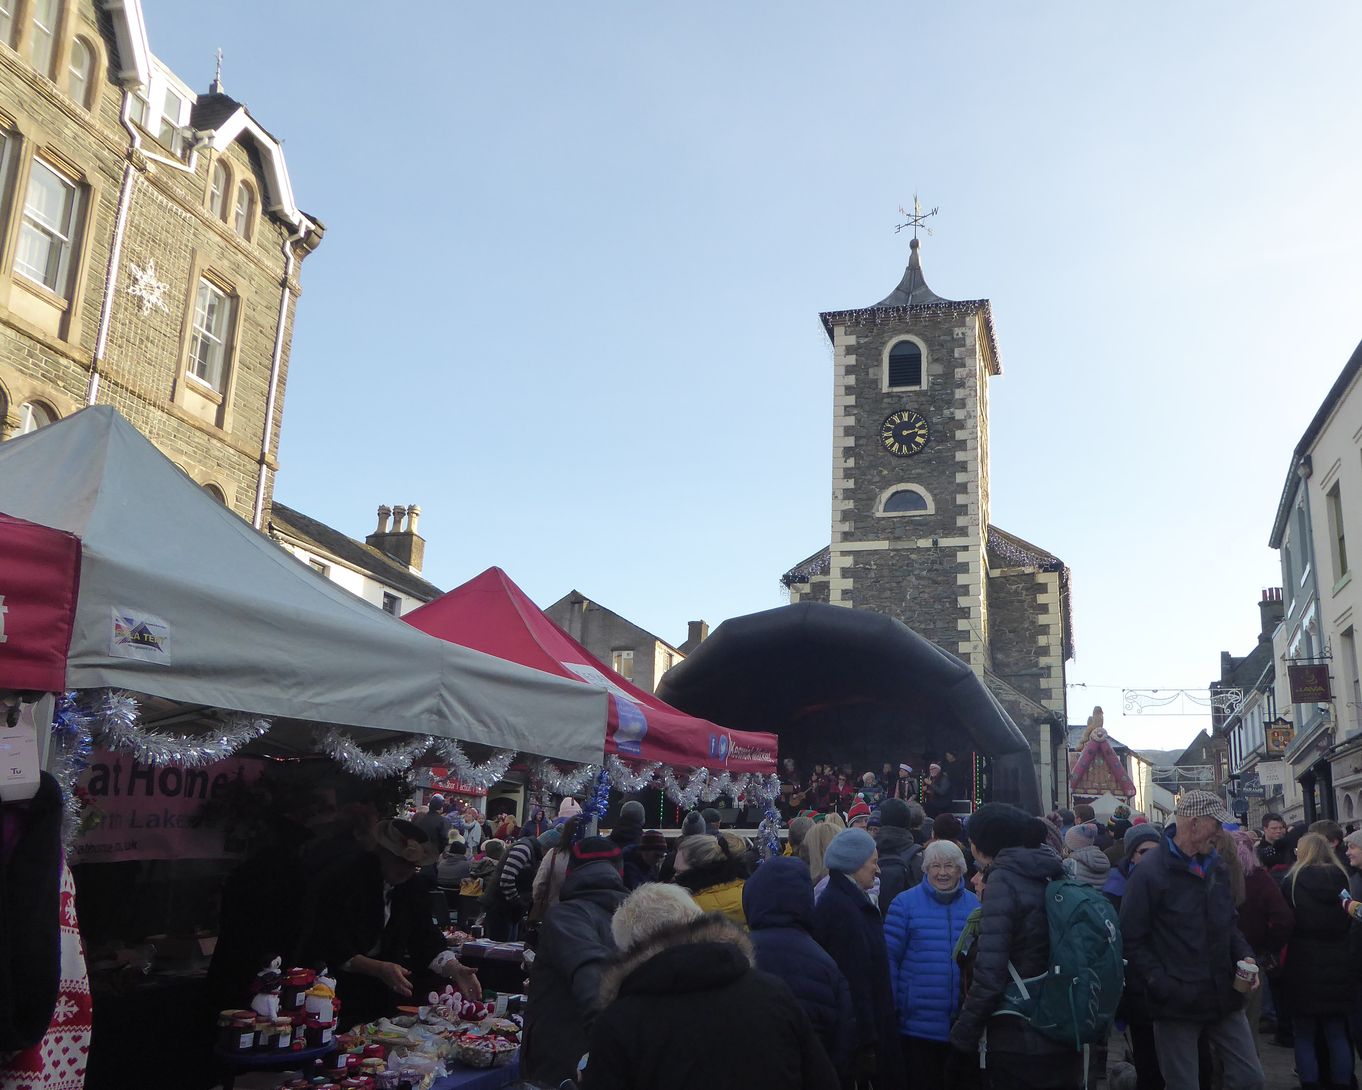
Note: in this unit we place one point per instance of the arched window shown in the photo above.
(214, 491)
(219, 183)
(905, 366)
(245, 208)
(42, 37)
(34, 415)
(78, 71)
(1347, 807)
(905, 499)
(904, 502)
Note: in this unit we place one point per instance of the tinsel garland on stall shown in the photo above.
(113, 719)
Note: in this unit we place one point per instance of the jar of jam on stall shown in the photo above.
(295, 983)
(236, 1031)
(319, 1033)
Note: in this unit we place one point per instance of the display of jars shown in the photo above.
(319, 1033)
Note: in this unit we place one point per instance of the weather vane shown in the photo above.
(916, 218)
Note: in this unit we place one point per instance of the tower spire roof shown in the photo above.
(912, 290)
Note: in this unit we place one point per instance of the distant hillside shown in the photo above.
(1160, 758)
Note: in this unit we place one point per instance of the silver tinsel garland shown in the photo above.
(396, 760)
(684, 797)
(623, 778)
(557, 782)
(484, 776)
(116, 722)
(71, 744)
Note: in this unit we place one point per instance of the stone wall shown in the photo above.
(47, 347)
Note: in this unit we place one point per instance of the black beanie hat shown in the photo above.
(594, 849)
(997, 825)
(894, 814)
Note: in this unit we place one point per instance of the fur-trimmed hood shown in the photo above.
(703, 953)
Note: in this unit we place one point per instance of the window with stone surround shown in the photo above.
(214, 314)
(47, 234)
(904, 499)
(243, 214)
(622, 662)
(34, 415)
(219, 185)
(1337, 540)
(42, 36)
(905, 365)
(174, 117)
(79, 68)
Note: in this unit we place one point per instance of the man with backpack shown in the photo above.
(900, 854)
(1182, 942)
(512, 893)
(1008, 1021)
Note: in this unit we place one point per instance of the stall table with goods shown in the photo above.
(447, 1042)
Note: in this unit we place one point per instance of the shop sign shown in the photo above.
(441, 781)
(131, 810)
(1272, 773)
(1279, 736)
(1309, 683)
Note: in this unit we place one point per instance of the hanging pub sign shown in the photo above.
(1309, 683)
(1279, 735)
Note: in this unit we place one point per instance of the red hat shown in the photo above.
(858, 810)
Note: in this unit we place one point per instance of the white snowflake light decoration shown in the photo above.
(147, 289)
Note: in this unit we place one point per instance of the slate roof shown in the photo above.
(322, 538)
(211, 109)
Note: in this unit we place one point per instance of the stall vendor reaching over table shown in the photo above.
(369, 919)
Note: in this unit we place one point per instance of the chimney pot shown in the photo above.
(413, 513)
(384, 513)
(399, 517)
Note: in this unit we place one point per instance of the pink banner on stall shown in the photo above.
(139, 811)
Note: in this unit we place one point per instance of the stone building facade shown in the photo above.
(150, 248)
(911, 536)
(631, 651)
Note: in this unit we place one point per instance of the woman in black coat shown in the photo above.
(685, 1007)
(778, 903)
(1013, 928)
(1320, 984)
(848, 926)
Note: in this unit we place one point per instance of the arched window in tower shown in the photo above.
(905, 366)
(905, 499)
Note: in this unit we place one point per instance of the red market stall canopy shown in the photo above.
(490, 613)
(183, 600)
(39, 576)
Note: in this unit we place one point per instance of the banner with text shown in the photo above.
(138, 811)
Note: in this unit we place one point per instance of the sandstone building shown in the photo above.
(911, 535)
(150, 249)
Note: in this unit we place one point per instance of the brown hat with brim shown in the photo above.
(406, 841)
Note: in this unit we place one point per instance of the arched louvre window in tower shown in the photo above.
(905, 365)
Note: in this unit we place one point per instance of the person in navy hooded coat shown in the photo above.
(778, 903)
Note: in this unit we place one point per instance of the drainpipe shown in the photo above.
(267, 436)
(120, 228)
(115, 248)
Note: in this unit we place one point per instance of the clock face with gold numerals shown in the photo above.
(903, 433)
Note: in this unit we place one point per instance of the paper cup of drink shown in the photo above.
(1245, 973)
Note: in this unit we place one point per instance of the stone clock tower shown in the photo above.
(911, 535)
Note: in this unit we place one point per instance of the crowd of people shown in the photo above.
(887, 948)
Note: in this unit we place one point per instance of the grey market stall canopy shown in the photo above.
(810, 670)
(182, 600)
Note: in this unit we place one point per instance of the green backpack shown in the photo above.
(1074, 1002)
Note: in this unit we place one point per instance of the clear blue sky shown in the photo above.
(575, 255)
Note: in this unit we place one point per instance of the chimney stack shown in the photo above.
(402, 542)
(1271, 610)
(696, 632)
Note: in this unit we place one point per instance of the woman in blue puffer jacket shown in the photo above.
(920, 932)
